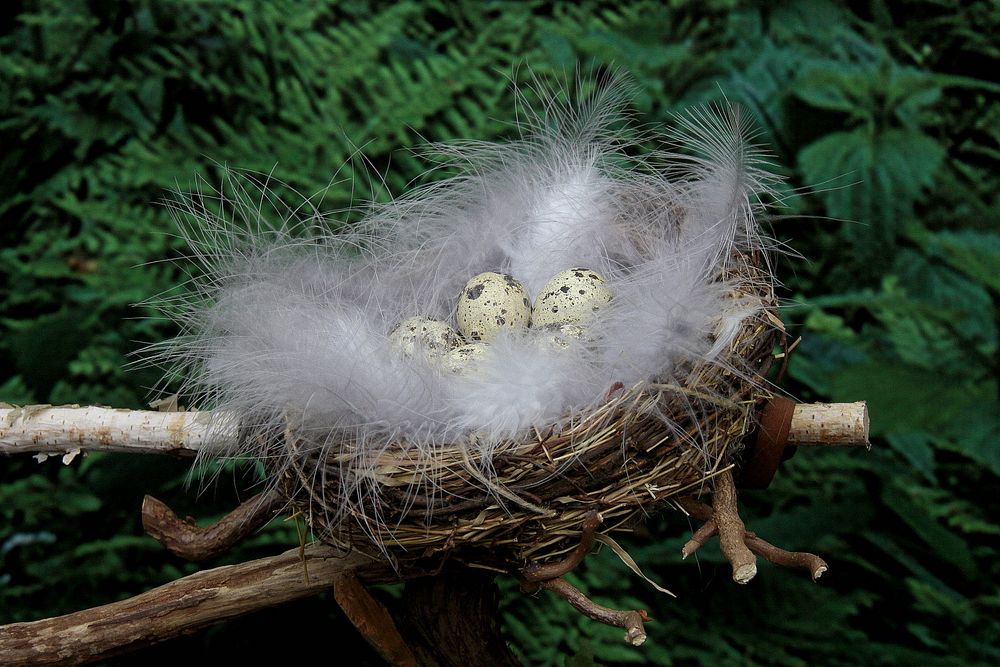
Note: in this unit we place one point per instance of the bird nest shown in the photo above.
(644, 446)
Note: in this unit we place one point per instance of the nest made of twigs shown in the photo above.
(642, 447)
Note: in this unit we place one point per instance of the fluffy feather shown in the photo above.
(289, 321)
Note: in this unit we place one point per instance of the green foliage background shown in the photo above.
(877, 112)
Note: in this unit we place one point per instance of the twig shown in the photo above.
(182, 606)
(538, 572)
(830, 424)
(631, 620)
(71, 429)
(187, 540)
(796, 560)
(731, 529)
(707, 531)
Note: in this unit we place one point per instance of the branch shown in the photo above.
(183, 606)
(631, 620)
(731, 529)
(372, 620)
(830, 424)
(796, 560)
(537, 572)
(191, 542)
(72, 429)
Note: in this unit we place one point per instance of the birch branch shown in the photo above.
(830, 424)
(70, 430)
(183, 606)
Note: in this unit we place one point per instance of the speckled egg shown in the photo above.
(433, 338)
(571, 297)
(560, 336)
(462, 358)
(491, 303)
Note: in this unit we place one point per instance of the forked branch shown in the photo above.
(796, 560)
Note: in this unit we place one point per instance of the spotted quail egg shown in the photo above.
(490, 303)
(570, 297)
(560, 336)
(459, 359)
(433, 338)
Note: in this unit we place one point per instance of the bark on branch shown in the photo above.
(183, 606)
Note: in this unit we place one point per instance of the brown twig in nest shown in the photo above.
(537, 572)
(796, 560)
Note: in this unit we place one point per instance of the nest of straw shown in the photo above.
(644, 446)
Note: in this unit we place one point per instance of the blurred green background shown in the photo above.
(880, 113)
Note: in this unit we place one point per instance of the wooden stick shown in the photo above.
(731, 529)
(191, 542)
(536, 572)
(707, 531)
(830, 424)
(796, 560)
(799, 560)
(183, 606)
(70, 430)
(630, 620)
(372, 620)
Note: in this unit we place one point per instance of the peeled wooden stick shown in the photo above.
(830, 424)
(72, 429)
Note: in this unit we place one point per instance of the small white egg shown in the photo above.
(571, 297)
(433, 338)
(490, 303)
(465, 356)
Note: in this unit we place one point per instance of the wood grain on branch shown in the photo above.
(183, 606)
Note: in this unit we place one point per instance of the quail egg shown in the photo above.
(571, 297)
(459, 359)
(560, 336)
(433, 338)
(490, 303)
